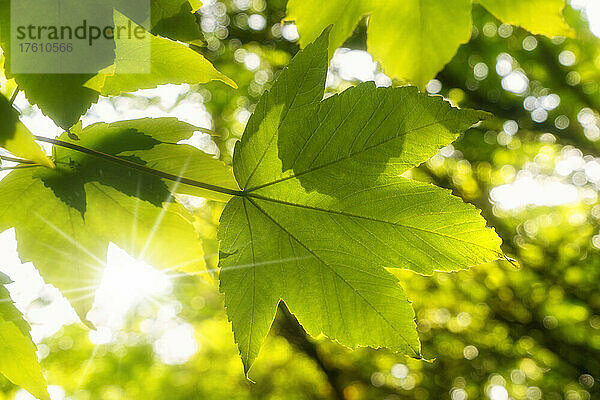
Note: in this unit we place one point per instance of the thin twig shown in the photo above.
(14, 95)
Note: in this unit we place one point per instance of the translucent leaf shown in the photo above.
(191, 67)
(16, 138)
(66, 97)
(18, 353)
(415, 39)
(325, 211)
(65, 218)
(543, 17)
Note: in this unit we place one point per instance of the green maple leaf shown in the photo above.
(324, 210)
(414, 39)
(18, 358)
(66, 97)
(65, 218)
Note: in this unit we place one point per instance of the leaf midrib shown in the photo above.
(282, 118)
(352, 215)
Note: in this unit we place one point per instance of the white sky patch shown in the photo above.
(515, 82)
(529, 190)
(290, 32)
(591, 10)
(34, 120)
(504, 64)
(355, 65)
(162, 101)
(202, 141)
(257, 22)
(252, 61)
(45, 318)
(176, 345)
(498, 392)
(55, 392)
(126, 283)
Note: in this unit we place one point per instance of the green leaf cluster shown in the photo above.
(65, 217)
(414, 39)
(66, 97)
(319, 204)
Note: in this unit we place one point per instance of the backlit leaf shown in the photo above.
(175, 19)
(86, 202)
(415, 39)
(543, 17)
(16, 138)
(191, 68)
(18, 358)
(325, 210)
(66, 97)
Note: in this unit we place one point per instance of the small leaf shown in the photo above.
(191, 67)
(163, 154)
(196, 5)
(414, 39)
(62, 97)
(18, 358)
(342, 17)
(16, 138)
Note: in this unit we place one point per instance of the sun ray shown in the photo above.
(81, 298)
(185, 264)
(81, 289)
(88, 364)
(240, 266)
(70, 256)
(68, 237)
(136, 213)
(163, 211)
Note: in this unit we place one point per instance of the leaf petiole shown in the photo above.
(14, 95)
(130, 164)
